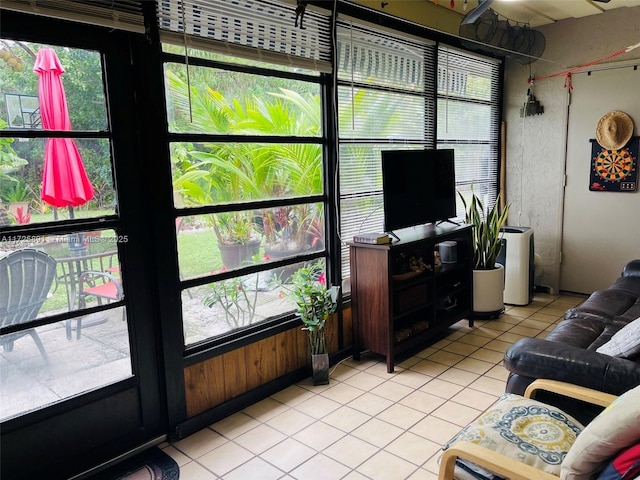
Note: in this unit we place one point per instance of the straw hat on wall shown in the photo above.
(614, 130)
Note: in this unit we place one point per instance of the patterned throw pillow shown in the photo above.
(526, 430)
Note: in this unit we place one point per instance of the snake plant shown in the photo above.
(486, 230)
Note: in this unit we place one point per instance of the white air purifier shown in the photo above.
(517, 256)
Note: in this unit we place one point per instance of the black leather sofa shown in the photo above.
(569, 354)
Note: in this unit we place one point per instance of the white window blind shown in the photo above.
(469, 120)
(118, 14)
(255, 29)
(386, 91)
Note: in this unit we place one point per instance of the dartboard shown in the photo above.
(613, 165)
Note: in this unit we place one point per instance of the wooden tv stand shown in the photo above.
(397, 309)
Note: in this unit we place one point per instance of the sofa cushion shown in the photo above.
(604, 305)
(616, 428)
(627, 284)
(586, 333)
(625, 343)
(529, 431)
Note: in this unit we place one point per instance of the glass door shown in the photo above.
(79, 372)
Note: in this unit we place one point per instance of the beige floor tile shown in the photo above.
(293, 395)
(460, 348)
(440, 388)
(435, 429)
(317, 406)
(422, 401)
(342, 372)
(254, 469)
(179, 457)
(401, 416)
(441, 343)
(426, 352)
(485, 331)
(474, 366)
(500, 325)
(522, 312)
(319, 436)
(488, 385)
(342, 393)
(557, 310)
(346, 418)
(413, 448)
(433, 464)
(260, 439)
(411, 378)
(427, 367)
(351, 451)
(525, 331)
(446, 358)
(490, 356)
(235, 425)
(195, 471)
(392, 391)
(530, 323)
(498, 346)
(385, 466)
(288, 454)
(422, 474)
(456, 413)
(290, 422)
(475, 340)
(499, 373)
(460, 377)
(225, 458)
(510, 337)
(362, 364)
(199, 443)
(364, 381)
(380, 370)
(377, 432)
(455, 335)
(354, 475)
(320, 467)
(475, 398)
(370, 404)
(266, 409)
(544, 317)
(408, 362)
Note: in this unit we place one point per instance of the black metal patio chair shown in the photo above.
(25, 280)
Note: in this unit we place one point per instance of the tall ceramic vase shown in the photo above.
(320, 368)
(488, 292)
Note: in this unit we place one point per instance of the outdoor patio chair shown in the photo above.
(25, 280)
(523, 439)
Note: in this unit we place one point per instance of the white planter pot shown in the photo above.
(488, 291)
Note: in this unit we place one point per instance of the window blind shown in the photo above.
(469, 120)
(386, 100)
(255, 29)
(118, 14)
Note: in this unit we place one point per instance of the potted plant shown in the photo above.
(315, 303)
(18, 198)
(488, 275)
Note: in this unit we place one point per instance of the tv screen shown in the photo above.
(419, 186)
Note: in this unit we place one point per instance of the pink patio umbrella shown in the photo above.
(65, 182)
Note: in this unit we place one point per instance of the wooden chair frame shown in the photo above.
(506, 466)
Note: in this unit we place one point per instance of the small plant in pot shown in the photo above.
(488, 275)
(315, 303)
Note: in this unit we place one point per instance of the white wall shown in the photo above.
(536, 145)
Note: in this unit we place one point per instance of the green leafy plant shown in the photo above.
(314, 301)
(486, 230)
(237, 299)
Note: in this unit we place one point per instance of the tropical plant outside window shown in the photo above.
(258, 191)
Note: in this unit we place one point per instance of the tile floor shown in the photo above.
(368, 424)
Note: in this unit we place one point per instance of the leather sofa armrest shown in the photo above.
(537, 358)
(631, 269)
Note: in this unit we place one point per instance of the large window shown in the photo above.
(247, 157)
(385, 101)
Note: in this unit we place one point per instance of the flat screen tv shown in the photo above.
(419, 187)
